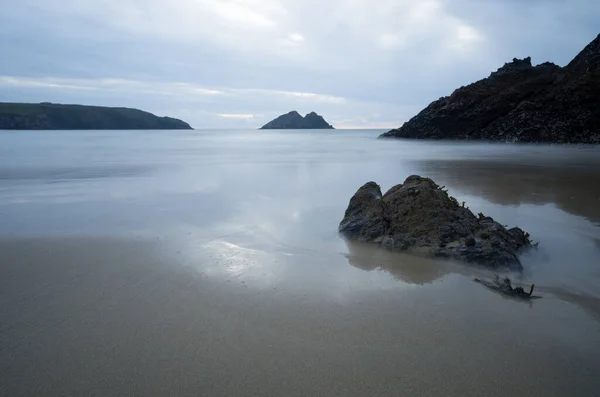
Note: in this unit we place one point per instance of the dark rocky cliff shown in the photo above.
(519, 103)
(50, 116)
(293, 120)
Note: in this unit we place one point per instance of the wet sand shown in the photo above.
(571, 187)
(208, 263)
(108, 316)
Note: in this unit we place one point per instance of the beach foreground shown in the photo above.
(113, 316)
(209, 263)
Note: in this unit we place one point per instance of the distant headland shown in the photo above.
(52, 116)
(519, 103)
(294, 121)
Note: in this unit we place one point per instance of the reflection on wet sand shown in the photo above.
(407, 268)
(575, 190)
(412, 269)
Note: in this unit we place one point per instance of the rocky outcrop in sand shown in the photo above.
(420, 217)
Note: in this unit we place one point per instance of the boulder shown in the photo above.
(420, 217)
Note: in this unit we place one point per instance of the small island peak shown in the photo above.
(293, 120)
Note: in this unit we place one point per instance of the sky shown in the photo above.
(241, 63)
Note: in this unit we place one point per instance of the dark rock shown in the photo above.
(364, 216)
(403, 219)
(51, 116)
(519, 102)
(293, 120)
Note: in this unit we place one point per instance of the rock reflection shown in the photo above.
(407, 268)
(574, 189)
(417, 270)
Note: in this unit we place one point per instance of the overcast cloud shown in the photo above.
(239, 63)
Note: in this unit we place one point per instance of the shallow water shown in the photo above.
(190, 262)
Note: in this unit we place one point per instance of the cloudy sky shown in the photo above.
(240, 63)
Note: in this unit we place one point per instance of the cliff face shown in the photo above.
(293, 120)
(519, 102)
(49, 116)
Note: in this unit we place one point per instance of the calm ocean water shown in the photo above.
(290, 188)
(257, 212)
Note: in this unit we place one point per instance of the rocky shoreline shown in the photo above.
(519, 103)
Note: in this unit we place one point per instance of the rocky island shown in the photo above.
(294, 121)
(519, 103)
(52, 116)
(420, 217)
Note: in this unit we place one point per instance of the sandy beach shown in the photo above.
(209, 264)
(123, 317)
